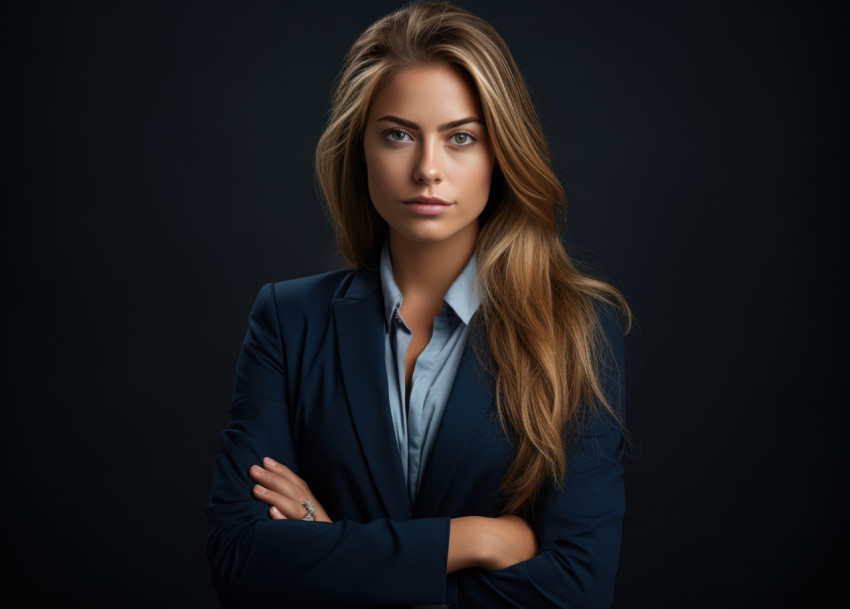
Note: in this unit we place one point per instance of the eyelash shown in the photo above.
(386, 134)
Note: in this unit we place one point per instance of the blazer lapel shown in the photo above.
(359, 325)
(469, 402)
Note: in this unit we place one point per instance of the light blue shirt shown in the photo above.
(416, 422)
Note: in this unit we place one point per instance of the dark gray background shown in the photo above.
(158, 165)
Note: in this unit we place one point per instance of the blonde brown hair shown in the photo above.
(544, 337)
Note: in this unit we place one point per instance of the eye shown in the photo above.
(462, 139)
(396, 135)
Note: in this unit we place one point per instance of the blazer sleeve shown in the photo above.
(254, 559)
(579, 526)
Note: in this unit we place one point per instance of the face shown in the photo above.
(428, 156)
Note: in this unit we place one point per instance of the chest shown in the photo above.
(342, 430)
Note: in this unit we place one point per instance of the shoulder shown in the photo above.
(309, 293)
(609, 353)
(284, 305)
(612, 326)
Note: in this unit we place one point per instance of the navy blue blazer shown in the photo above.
(311, 392)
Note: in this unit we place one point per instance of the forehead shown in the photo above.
(424, 93)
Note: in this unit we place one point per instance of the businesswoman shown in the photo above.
(440, 424)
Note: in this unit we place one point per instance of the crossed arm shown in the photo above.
(261, 551)
(474, 541)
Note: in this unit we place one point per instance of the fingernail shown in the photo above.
(269, 461)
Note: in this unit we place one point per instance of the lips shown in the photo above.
(427, 201)
(426, 206)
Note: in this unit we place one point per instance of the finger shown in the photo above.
(282, 480)
(288, 508)
(280, 469)
(282, 472)
(276, 514)
(277, 483)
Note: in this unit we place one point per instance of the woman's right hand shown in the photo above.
(489, 543)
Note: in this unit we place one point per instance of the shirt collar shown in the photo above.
(392, 295)
(461, 296)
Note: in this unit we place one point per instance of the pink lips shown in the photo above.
(426, 206)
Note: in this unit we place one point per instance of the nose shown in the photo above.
(428, 168)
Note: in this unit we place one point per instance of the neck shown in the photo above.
(426, 270)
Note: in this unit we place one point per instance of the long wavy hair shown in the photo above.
(543, 335)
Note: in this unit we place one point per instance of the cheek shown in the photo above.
(479, 178)
(382, 172)
(479, 165)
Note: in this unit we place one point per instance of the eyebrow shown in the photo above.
(443, 127)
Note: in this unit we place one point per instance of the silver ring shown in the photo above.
(311, 510)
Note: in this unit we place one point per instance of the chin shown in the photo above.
(433, 236)
(423, 238)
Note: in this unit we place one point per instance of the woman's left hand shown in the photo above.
(283, 491)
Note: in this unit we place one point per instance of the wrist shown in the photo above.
(469, 543)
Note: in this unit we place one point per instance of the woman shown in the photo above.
(440, 424)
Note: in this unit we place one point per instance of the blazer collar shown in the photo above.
(360, 327)
(469, 404)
